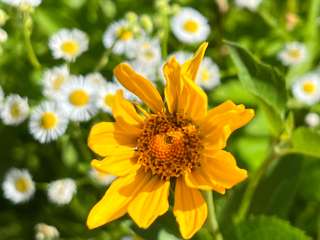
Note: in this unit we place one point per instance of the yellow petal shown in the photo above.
(140, 86)
(235, 116)
(104, 137)
(189, 209)
(190, 67)
(216, 139)
(171, 71)
(193, 101)
(113, 205)
(124, 112)
(218, 171)
(150, 202)
(120, 163)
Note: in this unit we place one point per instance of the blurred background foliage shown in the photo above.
(286, 204)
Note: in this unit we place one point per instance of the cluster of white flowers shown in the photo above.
(18, 187)
(23, 3)
(306, 89)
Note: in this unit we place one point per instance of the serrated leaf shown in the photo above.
(306, 141)
(265, 228)
(264, 82)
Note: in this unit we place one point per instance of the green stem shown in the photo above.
(252, 185)
(164, 38)
(27, 31)
(105, 57)
(212, 219)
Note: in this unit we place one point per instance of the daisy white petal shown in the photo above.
(53, 80)
(68, 44)
(61, 191)
(47, 122)
(97, 80)
(190, 26)
(249, 4)
(105, 96)
(78, 99)
(293, 54)
(3, 35)
(208, 75)
(312, 119)
(101, 178)
(18, 186)
(15, 110)
(307, 89)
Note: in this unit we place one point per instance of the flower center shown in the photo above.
(205, 75)
(15, 110)
(21, 184)
(70, 47)
(57, 82)
(108, 100)
(309, 87)
(169, 145)
(294, 53)
(124, 34)
(48, 120)
(191, 26)
(79, 98)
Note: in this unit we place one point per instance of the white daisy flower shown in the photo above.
(208, 75)
(68, 44)
(78, 99)
(105, 96)
(307, 89)
(18, 186)
(61, 191)
(15, 110)
(312, 119)
(146, 51)
(249, 4)
(53, 80)
(190, 26)
(293, 54)
(120, 36)
(47, 122)
(3, 35)
(101, 178)
(97, 80)
(46, 232)
(23, 3)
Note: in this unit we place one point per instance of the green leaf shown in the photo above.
(164, 235)
(264, 82)
(306, 141)
(265, 228)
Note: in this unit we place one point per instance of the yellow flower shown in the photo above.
(178, 143)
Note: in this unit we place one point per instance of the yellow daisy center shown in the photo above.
(15, 110)
(124, 34)
(70, 47)
(57, 82)
(295, 53)
(205, 75)
(49, 120)
(169, 145)
(79, 98)
(108, 100)
(191, 26)
(309, 87)
(22, 184)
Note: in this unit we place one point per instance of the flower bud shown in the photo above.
(146, 23)
(3, 17)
